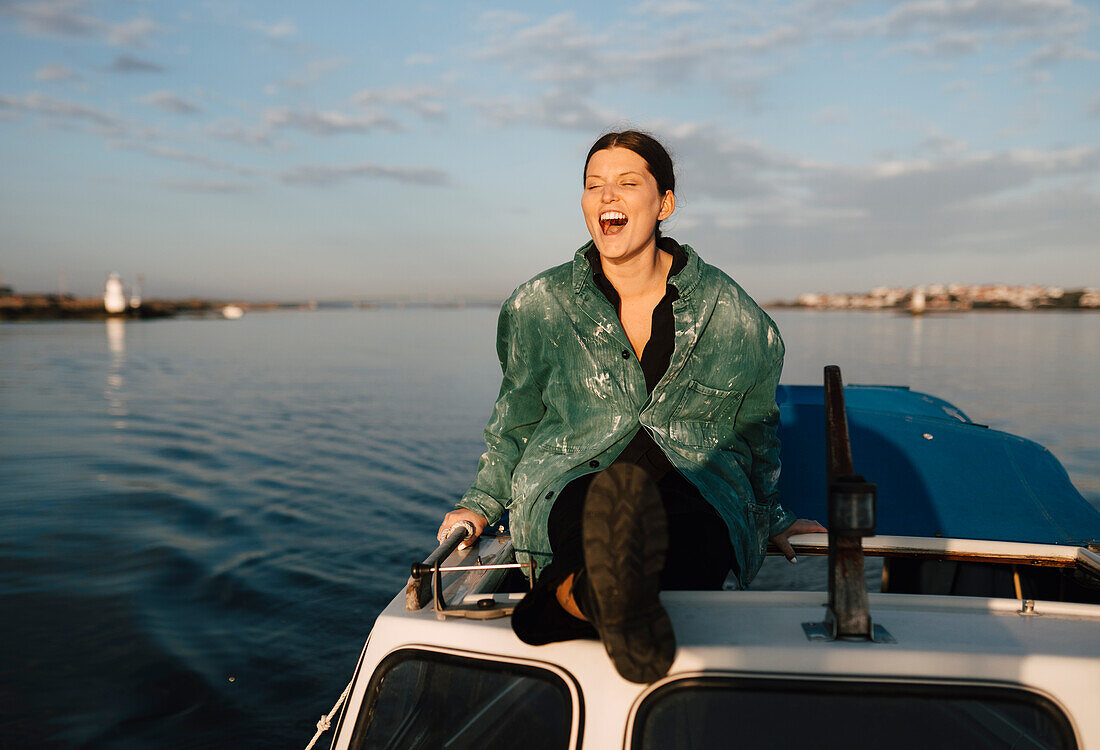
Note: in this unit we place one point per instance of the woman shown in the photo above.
(634, 437)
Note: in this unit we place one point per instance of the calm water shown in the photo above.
(201, 518)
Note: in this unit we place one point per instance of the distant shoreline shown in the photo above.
(784, 305)
(950, 298)
(43, 307)
(67, 307)
(32, 307)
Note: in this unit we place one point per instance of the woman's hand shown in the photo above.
(801, 526)
(456, 517)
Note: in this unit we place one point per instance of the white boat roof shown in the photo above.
(1052, 650)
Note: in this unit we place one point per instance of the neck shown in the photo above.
(639, 273)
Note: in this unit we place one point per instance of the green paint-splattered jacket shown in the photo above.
(573, 395)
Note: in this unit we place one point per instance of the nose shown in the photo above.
(608, 193)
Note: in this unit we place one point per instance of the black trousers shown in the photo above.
(699, 556)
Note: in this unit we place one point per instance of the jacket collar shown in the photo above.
(685, 282)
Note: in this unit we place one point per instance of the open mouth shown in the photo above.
(612, 222)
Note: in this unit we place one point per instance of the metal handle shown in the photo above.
(416, 594)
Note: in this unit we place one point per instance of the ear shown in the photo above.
(668, 205)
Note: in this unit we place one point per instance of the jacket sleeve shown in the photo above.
(518, 410)
(760, 416)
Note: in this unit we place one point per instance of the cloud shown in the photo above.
(781, 209)
(280, 30)
(1056, 52)
(211, 187)
(66, 19)
(329, 123)
(718, 166)
(556, 49)
(62, 112)
(499, 20)
(423, 101)
(325, 176)
(313, 72)
(167, 101)
(667, 8)
(130, 64)
(132, 33)
(175, 154)
(55, 72)
(939, 16)
(835, 114)
(556, 108)
(562, 52)
(1062, 218)
(648, 53)
(963, 27)
(958, 86)
(928, 187)
(58, 18)
(945, 45)
(233, 131)
(938, 144)
(783, 36)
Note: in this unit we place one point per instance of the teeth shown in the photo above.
(612, 215)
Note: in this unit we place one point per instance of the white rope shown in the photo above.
(326, 721)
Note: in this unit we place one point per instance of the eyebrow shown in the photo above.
(588, 177)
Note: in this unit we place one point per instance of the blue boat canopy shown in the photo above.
(938, 473)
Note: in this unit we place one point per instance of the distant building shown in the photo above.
(956, 297)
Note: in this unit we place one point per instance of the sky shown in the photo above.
(364, 150)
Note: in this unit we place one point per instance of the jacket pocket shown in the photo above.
(705, 416)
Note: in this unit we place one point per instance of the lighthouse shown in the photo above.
(113, 298)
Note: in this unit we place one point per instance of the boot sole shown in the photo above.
(625, 536)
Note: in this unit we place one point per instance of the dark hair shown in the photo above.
(646, 146)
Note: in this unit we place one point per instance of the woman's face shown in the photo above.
(621, 203)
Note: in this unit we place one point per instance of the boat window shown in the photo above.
(779, 714)
(421, 700)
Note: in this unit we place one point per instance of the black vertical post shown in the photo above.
(851, 517)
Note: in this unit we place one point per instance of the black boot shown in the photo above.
(625, 535)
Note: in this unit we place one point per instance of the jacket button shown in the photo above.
(549, 494)
(626, 354)
(594, 464)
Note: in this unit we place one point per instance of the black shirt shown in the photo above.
(641, 450)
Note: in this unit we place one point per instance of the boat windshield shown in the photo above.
(779, 714)
(423, 700)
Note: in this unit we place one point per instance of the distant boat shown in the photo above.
(114, 301)
(135, 294)
(232, 312)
